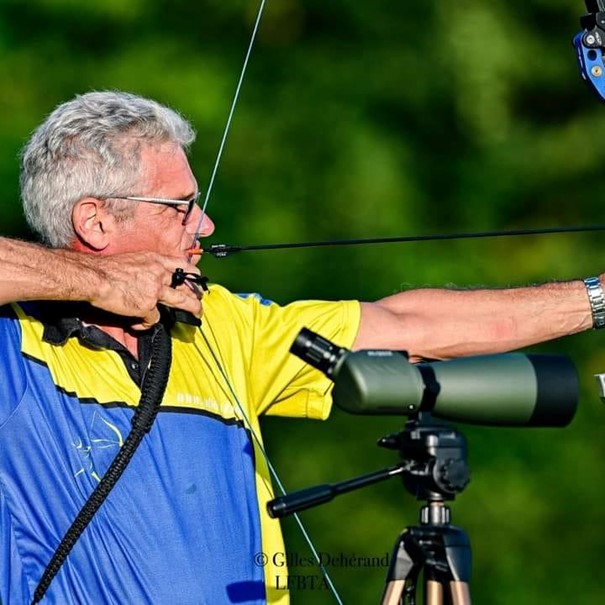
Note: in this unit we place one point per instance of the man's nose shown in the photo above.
(206, 227)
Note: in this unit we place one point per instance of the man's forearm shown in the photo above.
(441, 323)
(32, 272)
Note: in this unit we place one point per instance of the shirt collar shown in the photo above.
(62, 320)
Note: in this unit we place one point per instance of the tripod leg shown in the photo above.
(433, 593)
(393, 592)
(403, 572)
(460, 593)
(458, 557)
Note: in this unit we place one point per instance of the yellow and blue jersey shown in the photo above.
(183, 523)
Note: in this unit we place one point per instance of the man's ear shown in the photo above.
(93, 223)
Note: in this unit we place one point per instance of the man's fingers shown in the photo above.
(184, 300)
(181, 298)
(152, 318)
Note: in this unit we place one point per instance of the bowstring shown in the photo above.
(196, 236)
(228, 124)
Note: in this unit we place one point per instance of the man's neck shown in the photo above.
(124, 337)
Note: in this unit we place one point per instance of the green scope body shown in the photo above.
(510, 389)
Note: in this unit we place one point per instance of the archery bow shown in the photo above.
(590, 48)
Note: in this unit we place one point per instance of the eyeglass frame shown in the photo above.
(191, 203)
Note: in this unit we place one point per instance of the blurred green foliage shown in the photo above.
(362, 119)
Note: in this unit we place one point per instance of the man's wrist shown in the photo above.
(81, 281)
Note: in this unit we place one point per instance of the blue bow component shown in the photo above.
(590, 46)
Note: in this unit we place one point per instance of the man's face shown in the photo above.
(157, 227)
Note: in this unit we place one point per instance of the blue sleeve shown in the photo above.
(12, 366)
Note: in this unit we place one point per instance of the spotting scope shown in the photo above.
(510, 389)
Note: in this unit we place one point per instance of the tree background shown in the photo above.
(362, 119)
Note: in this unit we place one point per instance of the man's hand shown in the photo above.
(134, 284)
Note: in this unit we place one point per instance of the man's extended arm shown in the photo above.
(440, 323)
(125, 284)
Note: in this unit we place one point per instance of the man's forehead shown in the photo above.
(166, 164)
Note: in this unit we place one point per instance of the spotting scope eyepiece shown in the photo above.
(511, 389)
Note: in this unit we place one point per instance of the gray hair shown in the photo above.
(90, 147)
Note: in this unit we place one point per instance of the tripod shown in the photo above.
(438, 471)
(433, 469)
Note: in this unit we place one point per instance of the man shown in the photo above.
(107, 185)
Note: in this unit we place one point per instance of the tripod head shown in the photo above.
(433, 467)
(437, 455)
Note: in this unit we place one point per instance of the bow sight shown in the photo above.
(590, 46)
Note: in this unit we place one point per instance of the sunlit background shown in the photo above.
(368, 118)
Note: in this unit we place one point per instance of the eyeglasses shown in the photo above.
(190, 203)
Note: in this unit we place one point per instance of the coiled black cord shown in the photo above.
(152, 393)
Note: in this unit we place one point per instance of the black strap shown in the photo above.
(152, 393)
